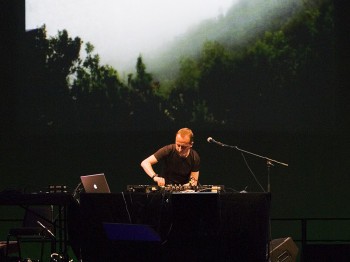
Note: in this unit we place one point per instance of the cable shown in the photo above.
(256, 180)
(126, 207)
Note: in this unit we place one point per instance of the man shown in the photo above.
(180, 161)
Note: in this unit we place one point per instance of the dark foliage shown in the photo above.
(283, 80)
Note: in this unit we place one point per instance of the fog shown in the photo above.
(121, 30)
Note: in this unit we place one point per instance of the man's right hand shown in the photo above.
(159, 180)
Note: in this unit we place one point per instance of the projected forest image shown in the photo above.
(262, 65)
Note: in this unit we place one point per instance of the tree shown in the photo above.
(47, 63)
(185, 105)
(99, 94)
(217, 66)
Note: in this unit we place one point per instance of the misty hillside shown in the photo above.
(244, 22)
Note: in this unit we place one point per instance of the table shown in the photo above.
(197, 226)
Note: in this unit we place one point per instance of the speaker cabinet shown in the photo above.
(283, 250)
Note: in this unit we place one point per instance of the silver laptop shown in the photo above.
(96, 183)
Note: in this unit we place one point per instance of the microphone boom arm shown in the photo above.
(269, 160)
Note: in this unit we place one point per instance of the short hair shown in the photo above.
(186, 132)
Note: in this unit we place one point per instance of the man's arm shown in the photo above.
(147, 167)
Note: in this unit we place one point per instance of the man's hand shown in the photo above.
(159, 180)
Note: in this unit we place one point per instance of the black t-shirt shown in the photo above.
(176, 169)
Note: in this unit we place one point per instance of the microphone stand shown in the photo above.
(269, 163)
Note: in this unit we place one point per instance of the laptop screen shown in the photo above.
(96, 183)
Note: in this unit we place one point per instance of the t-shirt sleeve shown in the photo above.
(162, 152)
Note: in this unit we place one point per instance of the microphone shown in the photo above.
(212, 140)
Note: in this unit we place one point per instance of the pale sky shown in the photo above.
(122, 29)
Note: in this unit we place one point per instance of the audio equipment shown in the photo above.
(175, 188)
